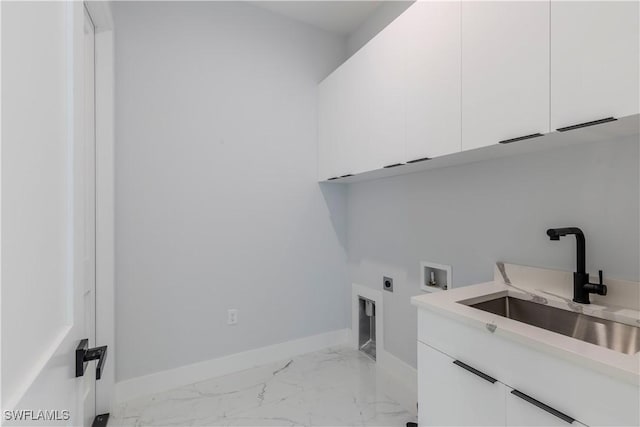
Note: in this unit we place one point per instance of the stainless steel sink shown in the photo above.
(606, 333)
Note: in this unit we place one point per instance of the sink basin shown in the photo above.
(606, 333)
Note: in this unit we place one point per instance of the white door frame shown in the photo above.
(101, 16)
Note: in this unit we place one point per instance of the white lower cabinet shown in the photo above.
(547, 382)
(452, 394)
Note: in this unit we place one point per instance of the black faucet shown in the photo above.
(581, 286)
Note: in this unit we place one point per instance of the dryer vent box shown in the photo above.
(367, 327)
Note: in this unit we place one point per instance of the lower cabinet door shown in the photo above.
(453, 392)
(525, 410)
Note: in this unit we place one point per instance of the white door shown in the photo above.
(505, 71)
(452, 393)
(432, 79)
(42, 216)
(594, 61)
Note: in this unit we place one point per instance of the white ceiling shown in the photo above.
(339, 17)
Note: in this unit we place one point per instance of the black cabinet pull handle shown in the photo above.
(419, 160)
(84, 354)
(475, 371)
(392, 166)
(586, 124)
(338, 177)
(549, 409)
(520, 138)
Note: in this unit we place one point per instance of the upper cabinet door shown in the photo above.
(361, 105)
(332, 121)
(505, 71)
(432, 79)
(340, 134)
(594, 61)
(381, 78)
(329, 122)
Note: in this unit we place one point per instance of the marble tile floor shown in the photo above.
(333, 387)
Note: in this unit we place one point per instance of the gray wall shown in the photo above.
(382, 16)
(217, 204)
(473, 215)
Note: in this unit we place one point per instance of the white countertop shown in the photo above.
(609, 362)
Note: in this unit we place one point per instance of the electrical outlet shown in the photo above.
(387, 283)
(232, 316)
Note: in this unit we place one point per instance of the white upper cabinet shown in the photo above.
(354, 105)
(594, 61)
(361, 109)
(328, 127)
(341, 134)
(331, 125)
(382, 78)
(432, 79)
(451, 76)
(505, 71)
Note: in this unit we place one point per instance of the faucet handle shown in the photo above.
(596, 288)
(602, 288)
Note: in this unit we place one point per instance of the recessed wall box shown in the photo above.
(367, 327)
(434, 277)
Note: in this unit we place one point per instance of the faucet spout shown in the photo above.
(581, 286)
(556, 233)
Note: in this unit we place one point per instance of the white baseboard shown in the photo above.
(404, 388)
(406, 391)
(189, 374)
